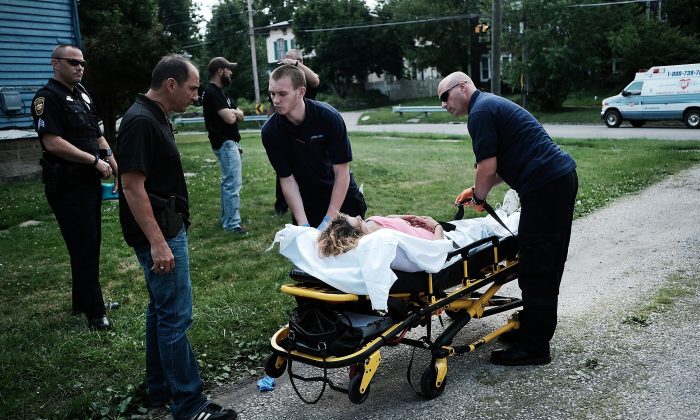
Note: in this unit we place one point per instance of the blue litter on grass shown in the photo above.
(266, 384)
(107, 193)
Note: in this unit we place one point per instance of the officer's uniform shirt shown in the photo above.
(68, 114)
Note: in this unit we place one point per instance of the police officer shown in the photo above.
(75, 155)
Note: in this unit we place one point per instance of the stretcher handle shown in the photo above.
(493, 239)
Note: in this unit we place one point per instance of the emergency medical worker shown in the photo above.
(307, 144)
(295, 58)
(75, 155)
(154, 214)
(512, 146)
(221, 118)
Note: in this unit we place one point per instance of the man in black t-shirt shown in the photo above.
(308, 146)
(154, 214)
(75, 155)
(293, 57)
(221, 118)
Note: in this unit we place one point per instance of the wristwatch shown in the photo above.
(105, 152)
(476, 201)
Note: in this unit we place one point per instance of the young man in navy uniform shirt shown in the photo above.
(512, 146)
(308, 146)
(295, 58)
(75, 155)
(221, 119)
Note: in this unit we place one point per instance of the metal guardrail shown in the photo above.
(424, 109)
(191, 120)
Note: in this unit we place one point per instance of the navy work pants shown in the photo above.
(543, 233)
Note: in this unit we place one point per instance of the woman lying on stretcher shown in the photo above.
(343, 232)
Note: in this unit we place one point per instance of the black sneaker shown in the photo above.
(100, 323)
(515, 355)
(213, 411)
(239, 231)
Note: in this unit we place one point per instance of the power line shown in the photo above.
(408, 22)
(610, 3)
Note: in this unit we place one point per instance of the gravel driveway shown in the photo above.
(626, 346)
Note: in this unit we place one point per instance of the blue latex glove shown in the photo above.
(305, 225)
(324, 223)
(266, 384)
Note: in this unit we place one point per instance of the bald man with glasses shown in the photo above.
(511, 146)
(75, 156)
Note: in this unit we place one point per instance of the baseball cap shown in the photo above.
(220, 62)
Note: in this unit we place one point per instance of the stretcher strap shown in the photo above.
(460, 214)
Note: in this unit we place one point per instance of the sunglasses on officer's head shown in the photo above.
(446, 94)
(72, 61)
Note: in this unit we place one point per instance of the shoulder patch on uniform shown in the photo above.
(39, 105)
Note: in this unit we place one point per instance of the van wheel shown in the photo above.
(692, 118)
(637, 123)
(613, 118)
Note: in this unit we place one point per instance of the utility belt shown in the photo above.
(58, 175)
(169, 220)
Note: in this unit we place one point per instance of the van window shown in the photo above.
(634, 88)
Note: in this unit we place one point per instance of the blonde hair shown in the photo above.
(339, 237)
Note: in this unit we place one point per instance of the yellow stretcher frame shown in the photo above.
(462, 303)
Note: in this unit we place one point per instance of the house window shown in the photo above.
(280, 49)
(485, 68)
(292, 43)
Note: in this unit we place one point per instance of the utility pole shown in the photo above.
(254, 59)
(496, 22)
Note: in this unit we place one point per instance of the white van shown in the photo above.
(661, 93)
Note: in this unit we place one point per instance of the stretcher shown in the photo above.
(466, 289)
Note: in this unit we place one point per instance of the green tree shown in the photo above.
(684, 15)
(179, 19)
(122, 41)
(546, 42)
(227, 35)
(444, 44)
(345, 56)
(645, 42)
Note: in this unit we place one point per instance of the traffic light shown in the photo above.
(481, 28)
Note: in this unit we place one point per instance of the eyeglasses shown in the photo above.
(72, 61)
(446, 94)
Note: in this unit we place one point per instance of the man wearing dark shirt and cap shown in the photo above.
(221, 118)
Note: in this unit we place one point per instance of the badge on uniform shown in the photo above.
(86, 98)
(39, 105)
(69, 98)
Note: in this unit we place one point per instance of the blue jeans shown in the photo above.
(171, 367)
(231, 181)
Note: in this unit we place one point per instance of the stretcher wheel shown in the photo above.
(354, 394)
(427, 383)
(271, 369)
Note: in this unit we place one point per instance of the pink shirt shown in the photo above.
(401, 225)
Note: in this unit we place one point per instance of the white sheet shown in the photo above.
(367, 269)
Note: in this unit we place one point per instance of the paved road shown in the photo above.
(555, 130)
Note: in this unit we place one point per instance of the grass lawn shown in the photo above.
(579, 108)
(51, 366)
